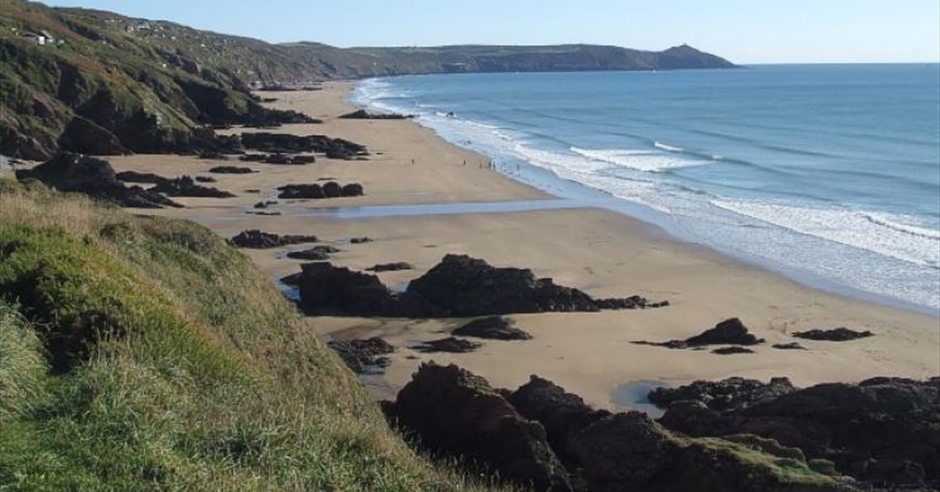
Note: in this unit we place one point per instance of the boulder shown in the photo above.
(453, 345)
(492, 327)
(332, 189)
(562, 414)
(834, 335)
(456, 413)
(352, 189)
(360, 240)
(390, 267)
(265, 204)
(328, 289)
(363, 356)
(185, 186)
(727, 394)
(256, 239)
(205, 179)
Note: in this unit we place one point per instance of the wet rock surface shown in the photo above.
(834, 335)
(257, 239)
(363, 356)
(493, 328)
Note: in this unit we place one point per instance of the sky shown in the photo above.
(743, 31)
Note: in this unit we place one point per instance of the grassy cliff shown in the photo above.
(142, 353)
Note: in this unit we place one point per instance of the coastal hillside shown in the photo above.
(101, 83)
(141, 353)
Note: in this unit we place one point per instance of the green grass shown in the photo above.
(146, 354)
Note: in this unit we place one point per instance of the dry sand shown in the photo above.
(601, 252)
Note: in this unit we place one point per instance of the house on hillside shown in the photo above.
(41, 38)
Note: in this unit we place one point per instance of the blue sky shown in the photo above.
(744, 31)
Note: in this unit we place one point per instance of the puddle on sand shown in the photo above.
(633, 396)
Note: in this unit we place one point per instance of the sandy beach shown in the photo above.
(601, 252)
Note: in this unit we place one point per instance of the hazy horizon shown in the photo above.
(830, 31)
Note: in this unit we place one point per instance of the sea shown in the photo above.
(829, 174)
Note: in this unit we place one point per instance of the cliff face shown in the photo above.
(98, 82)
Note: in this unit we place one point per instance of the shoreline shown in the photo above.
(602, 252)
(546, 179)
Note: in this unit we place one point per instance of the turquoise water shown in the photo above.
(826, 172)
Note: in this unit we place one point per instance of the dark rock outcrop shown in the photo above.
(231, 170)
(390, 267)
(287, 160)
(85, 136)
(492, 327)
(458, 286)
(360, 240)
(256, 239)
(452, 345)
(465, 286)
(788, 346)
(330, 189)
(138, 177)
(363, 356)
(95, 178)
(317, 253)
(294, 144)
(185, 186)
(457, 413)
(629, 452)
(728, 332)
(361, 114)
(264, 204)
(727, 394)
(834, 335)
(732, 350)
(328, 289)
(885, 431)
(206, 179)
